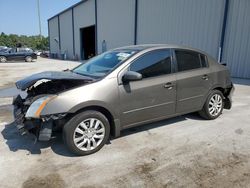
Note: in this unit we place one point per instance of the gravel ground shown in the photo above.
(185, 151)
(13, 71)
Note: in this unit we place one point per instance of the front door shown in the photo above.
(154, 96)
(12, 54)
(193, 80)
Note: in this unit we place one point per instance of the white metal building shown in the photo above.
(219, 27)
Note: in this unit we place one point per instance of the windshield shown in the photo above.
(103, 64)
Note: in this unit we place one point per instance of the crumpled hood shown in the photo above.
(49, 75)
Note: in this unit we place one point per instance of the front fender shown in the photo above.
(102, 104)
(63, 105)
(95, 94)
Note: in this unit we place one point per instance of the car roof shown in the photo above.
(143, 47)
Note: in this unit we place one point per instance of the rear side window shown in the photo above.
(187, 60)
(203, 60)
(152, 64)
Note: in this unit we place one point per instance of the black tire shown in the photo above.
(3, 59)
(28, 59)
(72, 124)
(205, 110)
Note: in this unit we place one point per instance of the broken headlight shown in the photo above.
(37, 106)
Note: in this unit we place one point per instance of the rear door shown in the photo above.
(20, 55)
(154, 96)
(193, 80)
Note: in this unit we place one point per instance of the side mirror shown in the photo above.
(131, 76)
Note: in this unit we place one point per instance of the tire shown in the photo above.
(28, 59)
(3, 59)
(78, 131)
(211, 109)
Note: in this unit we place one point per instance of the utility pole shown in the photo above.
(39, 18)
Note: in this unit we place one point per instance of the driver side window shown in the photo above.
(154, 63)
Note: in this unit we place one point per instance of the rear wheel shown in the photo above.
(213, 106)
(3, 59)
(86, 132)
(28, 59)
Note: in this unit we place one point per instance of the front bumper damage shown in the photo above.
(40, 128)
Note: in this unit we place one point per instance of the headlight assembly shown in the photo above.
(37, 106)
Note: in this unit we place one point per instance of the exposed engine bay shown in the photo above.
(52, 87)
(38, 86)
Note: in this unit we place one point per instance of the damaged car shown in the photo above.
(119, 89)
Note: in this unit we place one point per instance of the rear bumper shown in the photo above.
(228, 99)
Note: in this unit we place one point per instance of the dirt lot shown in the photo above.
(180, 152)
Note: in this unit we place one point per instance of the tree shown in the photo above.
(34, 42)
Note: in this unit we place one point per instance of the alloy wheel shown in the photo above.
(89, 134)
(215, 105)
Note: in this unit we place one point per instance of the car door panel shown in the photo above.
(193, 80)
(147, 99)
(20, 55)
(192, 87)
(15, 55)
(155, 95)
(11, 54)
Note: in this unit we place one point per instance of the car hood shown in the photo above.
(50, 75)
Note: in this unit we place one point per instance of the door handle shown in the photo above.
(205, 77)
(168, 85)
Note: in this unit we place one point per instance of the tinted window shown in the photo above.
(154, 63)
(12, 50)
(203, 60)
(24, 50)
(187, 60)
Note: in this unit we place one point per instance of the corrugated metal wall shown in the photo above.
(196, 23)
(84, 16)
(116, 21)
(66, 33)
(237, 39)
(54, 34)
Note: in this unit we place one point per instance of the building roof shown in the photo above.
(73, 6)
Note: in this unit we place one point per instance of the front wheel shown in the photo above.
(86, 132)
(3, 59)
(213, 106)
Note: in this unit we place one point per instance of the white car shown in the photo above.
(38, 53)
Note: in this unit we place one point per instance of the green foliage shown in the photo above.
(34, 42)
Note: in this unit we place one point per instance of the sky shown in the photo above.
(21, 16)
